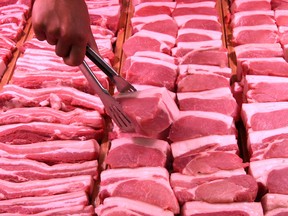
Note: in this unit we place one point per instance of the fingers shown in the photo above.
(76, 55)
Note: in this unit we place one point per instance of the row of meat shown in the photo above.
(260, 38)
(52, 125)
(13, 18)
(184, 158)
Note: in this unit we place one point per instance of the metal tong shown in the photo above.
(112, 107)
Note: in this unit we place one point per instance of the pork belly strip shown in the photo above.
(197, 208)
(40, 131)
(77, 117)
(53, 152)
(38, 79)
(62, 98)
(137, 152)
(34, 205)
(223, 187)
(126, 206)
(38, 188)
(153, 181)
(21, 170)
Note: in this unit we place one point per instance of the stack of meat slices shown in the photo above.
(51, 126)
(13, 17)
(259, 37)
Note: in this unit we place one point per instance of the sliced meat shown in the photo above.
(121, 205)
(193, 124)
(53, 152)
(153, 181)
(138, 152)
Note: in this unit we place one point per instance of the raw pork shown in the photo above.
(221, 187)
(149, 71)
(153, 8)
(193, 124)
(255, 34)
(259, 50)
(52, 152)
(35, 205)
(137, 152)
(271, 175)
(248, 5)
(210, 100)
(275, 204)
(11, 190)
(252, 18)
(40, 131)
(196, 78)
(222, 209)
(153, 106)
(214, 57)
(153, 181)
(121, 205)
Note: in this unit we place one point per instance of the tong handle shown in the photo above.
(103, 65)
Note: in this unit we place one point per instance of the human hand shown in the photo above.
(65, 24)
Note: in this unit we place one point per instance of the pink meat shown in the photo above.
(259, 50)
(252, 18)
(222, 209)
(138, 152)
(258, 88)
(148, 71)
(165, 26)
(77, 116)
(62, 98)
(272, 202)
(247, 5)
(153, 8)
(155, 55)
(11, 190)
(37, 79)
(38, 132)
(153, 181)
(121, 205)
(193, 124)
(204, 144)
(77, 210)
(255, 34)
(204, 8)
(210, 162)
(34, 205)
(190, 35)
(153, 106)
(210, 100)
(235, 188)
(144, 42)
(255, 114)
(274, 66)
(196, 78)
(270, 174)
(183, 48)
(21, 170)
(203, 56)
(276, 181)
(281, 17)
(271, 144)
(198, 23)
(52, 152)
